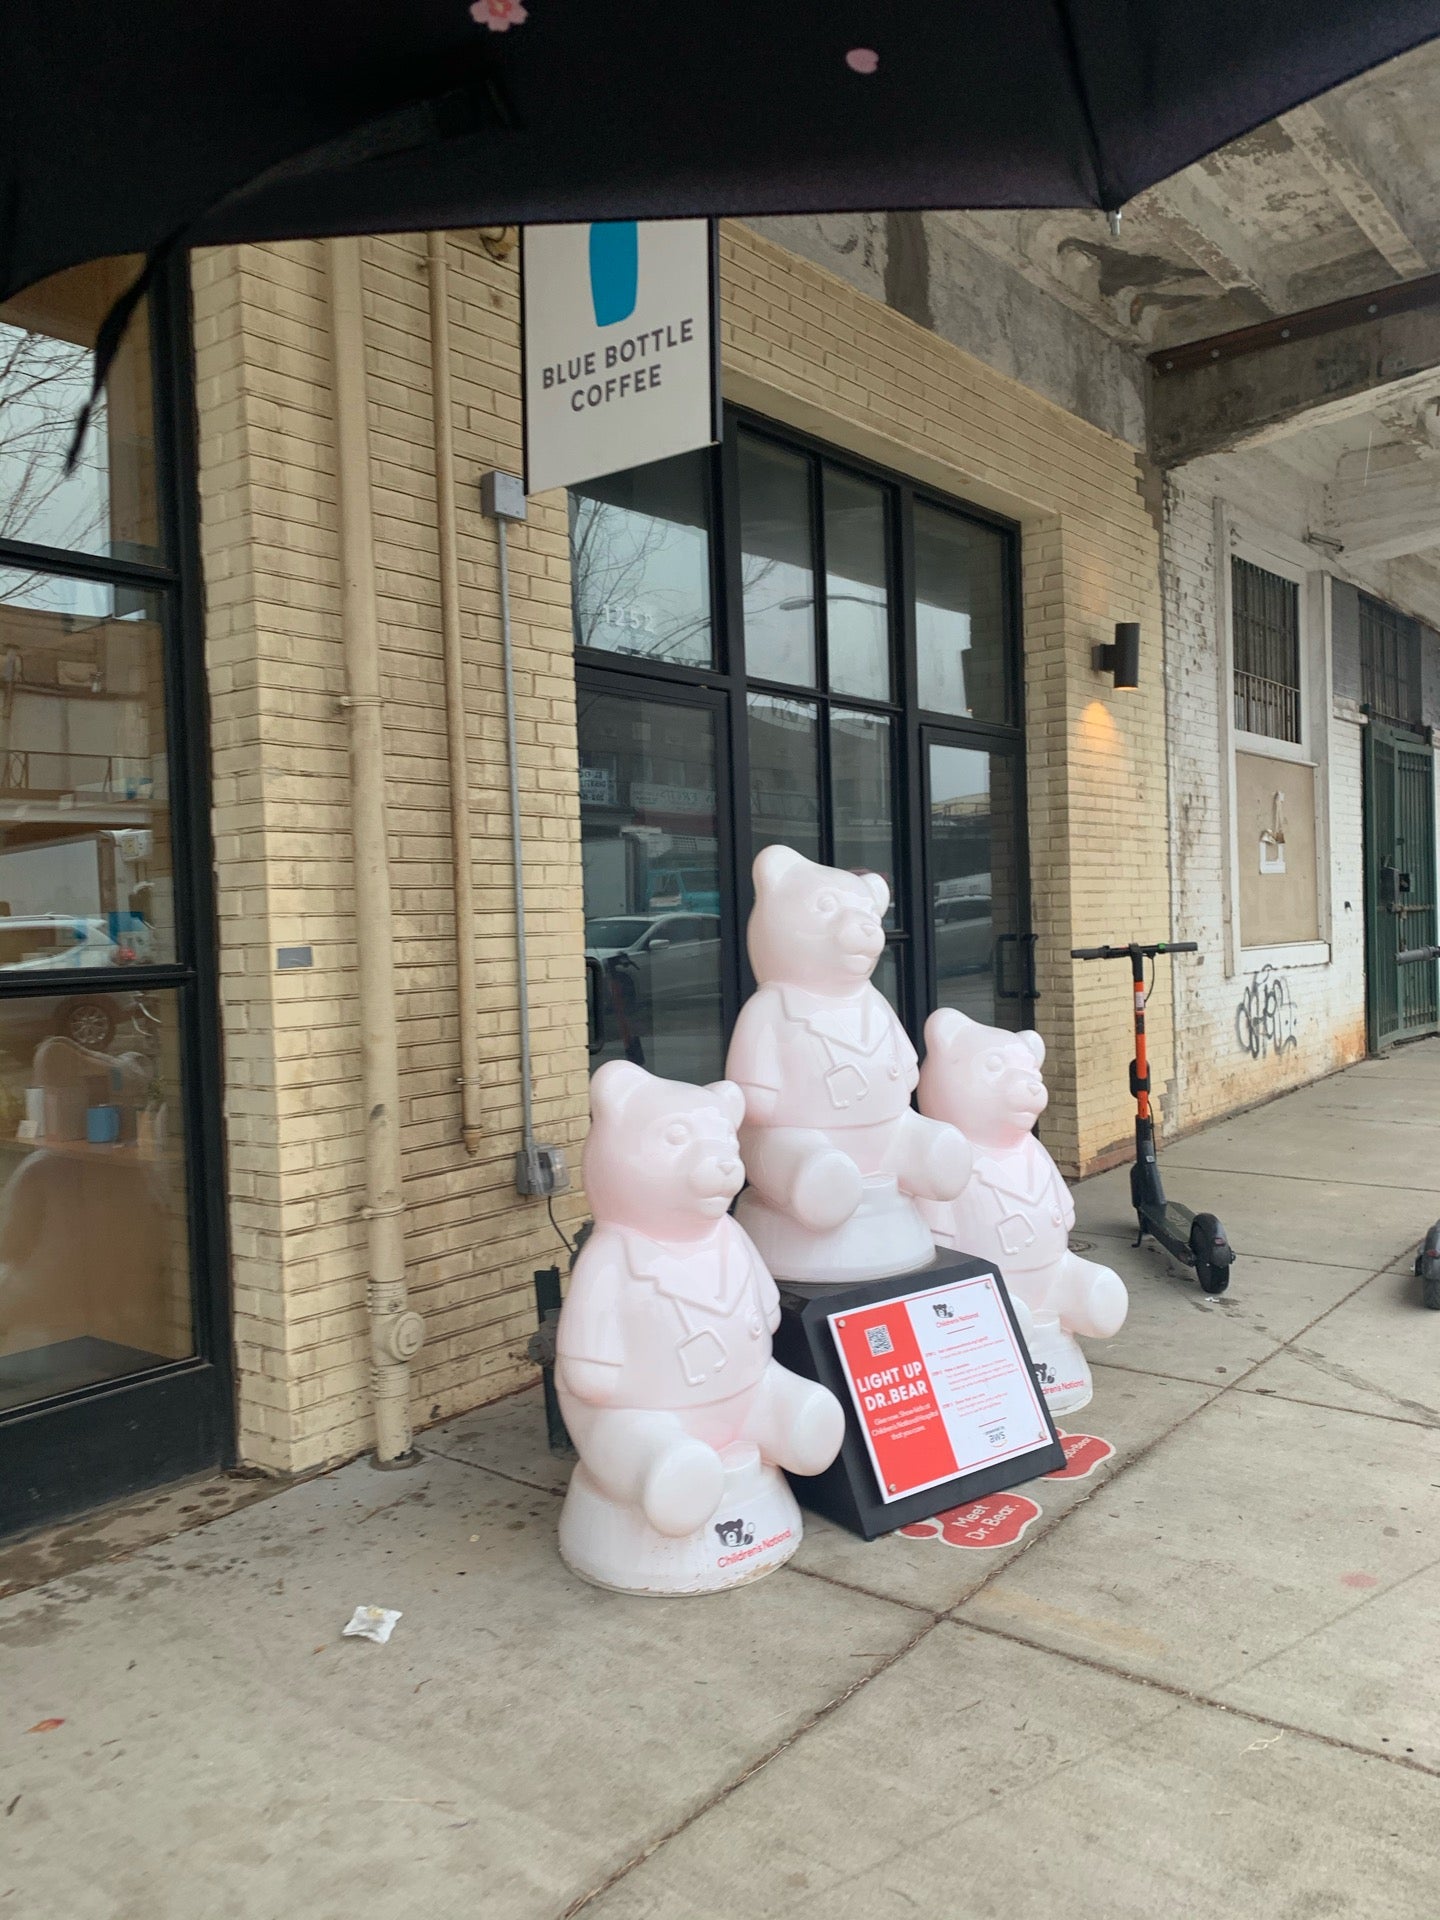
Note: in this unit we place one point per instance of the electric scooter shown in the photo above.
(1194, 1239)
(1427, 1260)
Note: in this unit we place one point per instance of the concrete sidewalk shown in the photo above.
(1206, 1682)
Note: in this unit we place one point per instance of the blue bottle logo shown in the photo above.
(614, 269)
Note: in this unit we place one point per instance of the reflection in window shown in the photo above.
(47, 336)
(650, 857)
(856, 603)
(862, 798)
(94, 1264)
(960, 615)
(85, 869)
(776, 566)
(974, 869)
(640, 563)
(784, 774)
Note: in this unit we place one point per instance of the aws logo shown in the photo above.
(614, 270)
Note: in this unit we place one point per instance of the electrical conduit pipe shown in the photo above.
(396, 1332)
(467, 984)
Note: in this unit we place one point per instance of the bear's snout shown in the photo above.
(717, 1177)
(1026, 1092)
(861, 936)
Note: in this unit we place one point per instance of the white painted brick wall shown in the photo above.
(1215, 1072)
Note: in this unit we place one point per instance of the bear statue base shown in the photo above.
(1060, 1364)
(754, 1530)
(884, 1236)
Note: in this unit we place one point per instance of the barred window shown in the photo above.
(1389, 662)
(1265, 621)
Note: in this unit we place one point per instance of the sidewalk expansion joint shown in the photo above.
(499, 1473)
(722, 1794)
(1192, 1697)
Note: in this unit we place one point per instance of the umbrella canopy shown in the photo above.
(126, 128)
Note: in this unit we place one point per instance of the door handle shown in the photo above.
(1002, 992)
(1027, 948)
(595, 997)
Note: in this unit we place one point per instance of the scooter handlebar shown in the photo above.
(1124, 953)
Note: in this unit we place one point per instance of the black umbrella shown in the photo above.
(128, 125)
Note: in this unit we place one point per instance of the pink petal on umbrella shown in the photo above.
(862, 60)
(498, 15)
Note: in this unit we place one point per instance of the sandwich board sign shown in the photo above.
(619, 325)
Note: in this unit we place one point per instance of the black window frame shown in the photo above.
(913, 726)
(76, 1449)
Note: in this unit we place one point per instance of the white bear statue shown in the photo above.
(681, 1417)
(1016, 1210)
(835, 1153)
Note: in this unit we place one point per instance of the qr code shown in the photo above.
(878, 1340)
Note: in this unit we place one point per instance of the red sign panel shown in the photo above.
(940, 1383)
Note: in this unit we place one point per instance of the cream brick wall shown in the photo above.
(800, 346)
(283, 849)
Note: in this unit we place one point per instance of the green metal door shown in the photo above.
(1401, 1002)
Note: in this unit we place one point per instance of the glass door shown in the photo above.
(653, 796)
(981, 953)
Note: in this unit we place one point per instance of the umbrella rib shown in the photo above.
(1110, 201)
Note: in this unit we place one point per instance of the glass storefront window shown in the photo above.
(784, 774)
(94, 1246)
(85, 857)
(974, 881)
(960, 622)
(47, 362)
(777, 568)
(839, 572)
(650, 852)
(640, 563)
(862, 799)
(857, 608)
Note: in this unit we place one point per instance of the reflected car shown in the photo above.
(665, 956)
(964, 933)
(53, 942)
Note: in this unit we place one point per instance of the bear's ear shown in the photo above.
(731, 1099)
(944, 1027)
(613, 1086)
(879, 890)
(772, 864)
(1036, 1046)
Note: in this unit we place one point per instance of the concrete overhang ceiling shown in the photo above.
(1335, 199)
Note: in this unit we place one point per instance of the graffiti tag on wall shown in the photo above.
(1265, 1020)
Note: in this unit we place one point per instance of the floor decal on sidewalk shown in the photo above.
(996, 1522)
(1083, 1453)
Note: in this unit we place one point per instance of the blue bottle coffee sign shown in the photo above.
(619, 347)
(614, 270)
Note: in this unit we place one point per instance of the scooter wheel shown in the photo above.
(1215, 1279)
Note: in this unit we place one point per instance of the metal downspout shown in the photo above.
(396, 1332)
(467, 984)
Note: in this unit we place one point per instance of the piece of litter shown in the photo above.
(1259, 1746)
(371, 1623)
(473, 1538)
(45, 1726)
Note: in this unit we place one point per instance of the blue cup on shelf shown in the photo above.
(102, 1126)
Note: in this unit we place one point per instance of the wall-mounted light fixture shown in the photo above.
(1123, 658)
